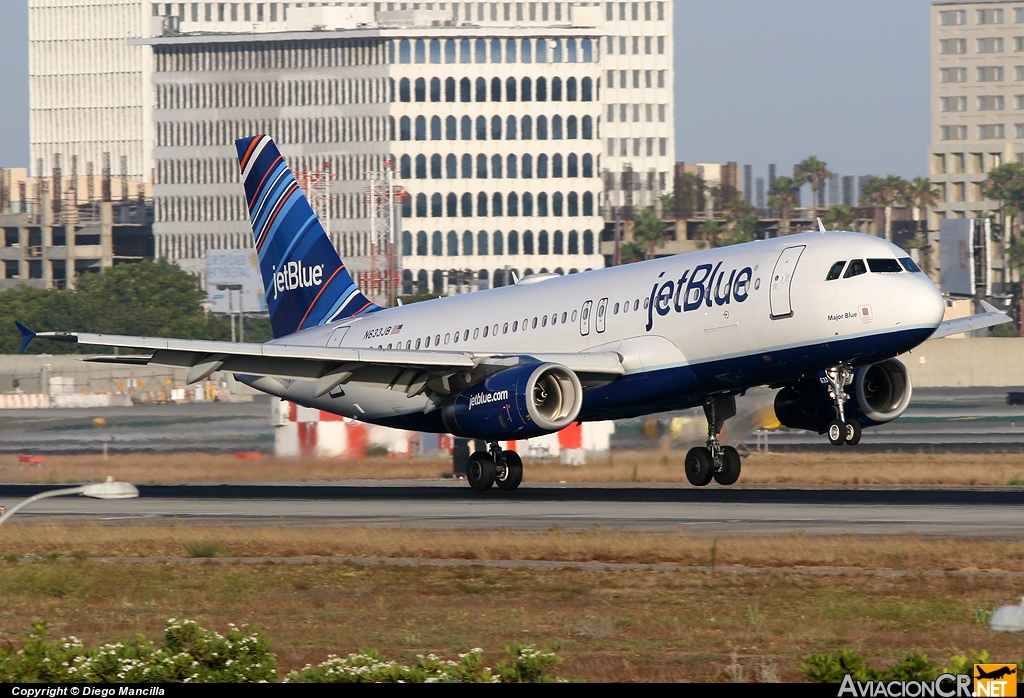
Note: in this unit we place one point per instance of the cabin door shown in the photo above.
(781, 282)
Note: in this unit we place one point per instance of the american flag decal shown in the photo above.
(396, 329)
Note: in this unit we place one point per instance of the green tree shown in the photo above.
(814, 172)
(921, 194)
(1005, 184)
(710, 231)
(885, 192)
(782, 195)
(840, 217)
(649, 232)
(692, 197)
(156, 299)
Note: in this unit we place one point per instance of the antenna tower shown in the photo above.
(316, 184)
(384, 199)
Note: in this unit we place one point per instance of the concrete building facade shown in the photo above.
(977, 92)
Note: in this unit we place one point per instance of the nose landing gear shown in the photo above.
(841, 431)
(714, 461)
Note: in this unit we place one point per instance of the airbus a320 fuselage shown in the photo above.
(820, 315)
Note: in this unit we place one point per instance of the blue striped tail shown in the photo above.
(306, 282)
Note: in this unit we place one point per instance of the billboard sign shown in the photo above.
(964, 256)
(234, 267)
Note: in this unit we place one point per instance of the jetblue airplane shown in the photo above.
(820, 315)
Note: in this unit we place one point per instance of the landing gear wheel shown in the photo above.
(699, 466)
(853, 432)
(730, 471)
(509, 477)
(837, 432)
(480, 471)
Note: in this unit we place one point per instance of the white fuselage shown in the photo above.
(718, 320)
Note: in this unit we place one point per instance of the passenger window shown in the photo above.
(465, 336)
(457, 337)
(417, 344)
(494, 330)
(504, 329)
(636, 304)
(856, 268)
(476, 333)
(574, 316)
(615, 310)
(515, 326)
(836, 271)
(447, 337)
(909, 264)
(884, 266)
(427, 346)
(534, 323)
(437, 340)
(487, 328)
(544, 321)
(564, 315)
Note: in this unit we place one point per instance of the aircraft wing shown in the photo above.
(989, 318)
(420, 371)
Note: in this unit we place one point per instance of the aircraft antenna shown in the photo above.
(821, 226)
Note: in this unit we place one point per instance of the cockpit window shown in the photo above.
(836, 271)
(884, 266)
(909, 264)
(856, 268)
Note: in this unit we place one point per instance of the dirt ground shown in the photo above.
(846, 467)
(609, 626)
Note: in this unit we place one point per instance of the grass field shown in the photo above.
(846, 467)
(609, 625)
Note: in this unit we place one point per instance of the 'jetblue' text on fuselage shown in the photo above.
(705, 285)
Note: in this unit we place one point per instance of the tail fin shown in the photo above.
(306, 282)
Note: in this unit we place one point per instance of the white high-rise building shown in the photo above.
(89, 88)
(511, 125)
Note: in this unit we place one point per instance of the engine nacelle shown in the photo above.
(879, 393)
(516, 403)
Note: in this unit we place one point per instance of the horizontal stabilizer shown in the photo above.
(989, 318)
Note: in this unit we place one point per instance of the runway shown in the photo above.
(993, 512)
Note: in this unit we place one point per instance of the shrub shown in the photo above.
(202, 550)
(831, 667)
(190, 654)
(913, 667)
(528, 665)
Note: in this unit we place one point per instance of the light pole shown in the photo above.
(231, 313)
(110, 489)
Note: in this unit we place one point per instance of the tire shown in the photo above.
(699, 466)
(837, 432)
(480, 471)
(853, 433)
(730, 472)
(513, 472)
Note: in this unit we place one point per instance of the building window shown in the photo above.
(990, 16)
(990, 45)
(1019, 130)
(1018, 102)
(952, 18)
(954, 133)
(1018, 15)
(952, 75)
(953, 104)
(991, 73)
(990, 103)
(1018, 43)
(988, 132)
(952, 46)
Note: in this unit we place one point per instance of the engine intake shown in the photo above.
(517, 403)
(879, 393)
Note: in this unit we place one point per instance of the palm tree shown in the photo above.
(1005, 184)
(648, 233)
(814, 172)
(921, 194)
(710, 231)
(885, 192)
(691, 200)
(840, 217)
(781, 196)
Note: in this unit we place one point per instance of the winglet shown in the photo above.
(990, 308)
(27, 336)
(821, 226)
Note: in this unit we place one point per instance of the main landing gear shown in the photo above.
(494, 466)
(714, 461)
(839, 430)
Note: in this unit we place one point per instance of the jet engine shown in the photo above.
(879, 393)
(517, 403)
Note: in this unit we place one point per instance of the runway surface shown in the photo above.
(931, 511)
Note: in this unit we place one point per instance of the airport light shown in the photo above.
(111, 489)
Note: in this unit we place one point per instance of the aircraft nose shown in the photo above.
(919, 302)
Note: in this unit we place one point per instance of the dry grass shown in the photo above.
(175, 540)
(609, 626)
(846, 467)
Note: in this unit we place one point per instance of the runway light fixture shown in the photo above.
(110, 489)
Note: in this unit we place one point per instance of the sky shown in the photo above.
(756, 82)
(774, 82)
